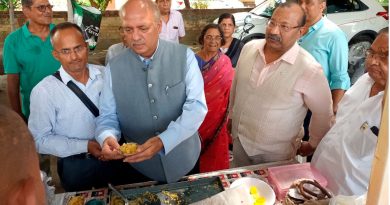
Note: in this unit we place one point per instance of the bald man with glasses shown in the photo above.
(63, 125)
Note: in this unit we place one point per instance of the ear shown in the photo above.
(323, 6)
(159, 26)
(24, 193)
(87, 46)
(55, 54)
(26, 10)
(302, 31)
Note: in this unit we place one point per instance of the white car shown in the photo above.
(359, 19)
(209, 4)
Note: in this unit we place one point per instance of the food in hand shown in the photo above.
(257, 199)
(128, 148)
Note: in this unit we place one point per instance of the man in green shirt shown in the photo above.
(27, 54)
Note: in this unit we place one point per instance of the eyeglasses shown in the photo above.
(215, 38)
(371, 54)
(42, 8)
(68, 51)
(282, 27)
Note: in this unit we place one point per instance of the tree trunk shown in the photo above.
(11, 15)
(70, 11)
(187, 4)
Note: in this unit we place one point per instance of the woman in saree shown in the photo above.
(232, 47)
(218, 73)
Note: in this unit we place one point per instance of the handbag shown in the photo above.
(83, 97)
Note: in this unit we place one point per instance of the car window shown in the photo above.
(266, 8)
(338, 6)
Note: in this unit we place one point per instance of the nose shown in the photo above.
(73, 55)
(274, 29)
(135, 35)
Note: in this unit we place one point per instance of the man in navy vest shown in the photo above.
(154, 95)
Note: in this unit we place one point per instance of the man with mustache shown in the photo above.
(276, 82)
(154, 94)
(61, 123)
(346, 153)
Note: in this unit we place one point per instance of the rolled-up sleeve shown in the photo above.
(194, 108)
(338, 63)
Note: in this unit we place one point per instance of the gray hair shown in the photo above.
(150, 5)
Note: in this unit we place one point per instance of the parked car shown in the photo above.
(208, 4)
(359, 19)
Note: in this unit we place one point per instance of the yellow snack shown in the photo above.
(253, 190)
(128, 148)
(76, 200)
(257, 199)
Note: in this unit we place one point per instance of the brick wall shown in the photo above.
(194, 20)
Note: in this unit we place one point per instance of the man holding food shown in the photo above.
(154, 94)
(61, 123)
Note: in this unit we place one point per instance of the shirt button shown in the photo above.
(150, 85)
(152, 101)
(155, 117)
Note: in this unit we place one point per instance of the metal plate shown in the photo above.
(187, 191)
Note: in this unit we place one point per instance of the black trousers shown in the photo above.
(306, 137)
(84, 172)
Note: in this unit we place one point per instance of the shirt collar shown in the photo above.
(151, 58)
(93, 73)
(27, 32)
(290, 56)
(317, 25)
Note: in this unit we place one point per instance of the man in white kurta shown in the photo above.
(346, 153)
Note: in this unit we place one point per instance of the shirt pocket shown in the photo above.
(363, 144)
(174, 88)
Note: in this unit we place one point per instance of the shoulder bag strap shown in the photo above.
(83, 97)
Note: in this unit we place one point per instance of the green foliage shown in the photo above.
(200, 4)
(4, 5)
(384, 2)
(99, 4)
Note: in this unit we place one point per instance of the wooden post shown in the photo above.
(378, 188)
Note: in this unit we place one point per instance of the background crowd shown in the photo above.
(185, 108)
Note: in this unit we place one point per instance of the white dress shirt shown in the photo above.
(59, 121)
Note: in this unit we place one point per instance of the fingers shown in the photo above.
(144, 152)
(110, 149)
